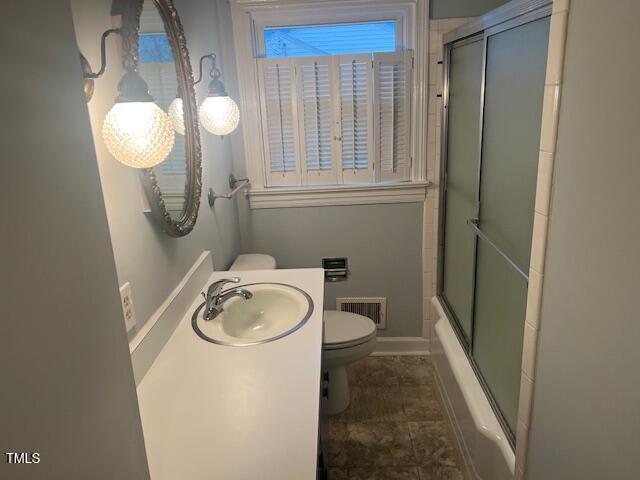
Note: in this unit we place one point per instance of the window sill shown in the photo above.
(316, 196)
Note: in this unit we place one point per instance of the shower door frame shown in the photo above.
(510, 15)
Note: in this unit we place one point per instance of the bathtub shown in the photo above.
(485, 449)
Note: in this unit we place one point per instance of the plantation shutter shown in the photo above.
(315, 93)
(355, 151)
(392, 79)
(279, 124)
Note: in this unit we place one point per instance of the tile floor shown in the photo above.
(394, 428)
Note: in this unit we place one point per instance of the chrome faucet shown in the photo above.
(215, 298)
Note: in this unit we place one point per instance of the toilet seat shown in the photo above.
(345, 330)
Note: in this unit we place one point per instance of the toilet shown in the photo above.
(348, 337)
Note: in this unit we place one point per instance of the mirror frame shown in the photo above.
(130, 10)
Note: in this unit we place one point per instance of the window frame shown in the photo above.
(251, 17)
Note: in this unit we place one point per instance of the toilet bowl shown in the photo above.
(348, 337)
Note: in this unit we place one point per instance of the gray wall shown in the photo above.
(586, 413)
(461, 8)
(383, 243)
(153, 262)
(67, 386)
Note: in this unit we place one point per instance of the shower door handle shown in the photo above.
(474, 224)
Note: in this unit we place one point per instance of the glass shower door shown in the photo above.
(515, 70)
(463, 153)
(494, 110)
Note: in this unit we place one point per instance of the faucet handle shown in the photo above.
(216, 287)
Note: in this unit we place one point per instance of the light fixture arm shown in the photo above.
(131, 88)
(213, 71)
(88, 74)
(215, 88)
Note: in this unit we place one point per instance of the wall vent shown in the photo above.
(373, 307)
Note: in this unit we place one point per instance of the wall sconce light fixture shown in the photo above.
(218, 113)
(136, 131)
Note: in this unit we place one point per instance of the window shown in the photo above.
(317, 93)
(314, 40)
(154, 48)
(335, 118)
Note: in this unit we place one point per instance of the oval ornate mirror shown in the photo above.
(154, 40)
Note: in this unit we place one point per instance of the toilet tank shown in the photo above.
(253, 261)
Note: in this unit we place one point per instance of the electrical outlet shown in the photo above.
(127, 307)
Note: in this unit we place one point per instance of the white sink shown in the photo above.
(274, 311)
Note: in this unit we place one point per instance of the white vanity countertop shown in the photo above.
(217, 412)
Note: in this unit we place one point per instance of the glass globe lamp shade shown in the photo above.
(219, 114)
(176, 115)
(138, 134)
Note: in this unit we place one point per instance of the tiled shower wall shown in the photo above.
(544, 187)
(430, 224)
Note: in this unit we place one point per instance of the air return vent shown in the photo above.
(373, 307)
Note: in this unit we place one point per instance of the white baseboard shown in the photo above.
(401, 346)
(155, 333)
